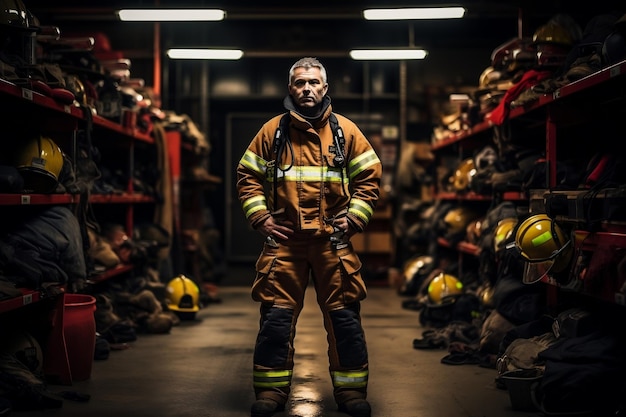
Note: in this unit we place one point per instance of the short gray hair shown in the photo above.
(308, 62)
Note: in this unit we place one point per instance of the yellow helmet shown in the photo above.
(39, 161)
(502, 232)
(544, 246)
(552, 42)
(552, 32)
(457, 219)
(485, 296)
(182, 295)
(463, 174)
(443, 285)
(474, 230)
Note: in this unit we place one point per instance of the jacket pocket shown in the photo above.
(353, 286)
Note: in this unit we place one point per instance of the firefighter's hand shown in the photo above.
(275, 229)
(344, 225)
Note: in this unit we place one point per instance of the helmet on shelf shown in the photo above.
(18, 30)
(614, 47)
(513, 55)
(544, 246)
(416, 270)
(39, 161)
(485, 296)
(552, 32)
(74, 84)
(457, 219)
(15, 15)
(502, 232)
(474, 230)
(488, 77)
(463, 174)
(182, 295)
(443, 285)
(552, 42)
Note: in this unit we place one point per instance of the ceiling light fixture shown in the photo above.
(170, 15)
(453, 12)
(387, 54)
(204, 53)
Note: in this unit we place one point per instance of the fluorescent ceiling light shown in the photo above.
(454, 12)
(172, 15)
(182, 53)
(387, 54)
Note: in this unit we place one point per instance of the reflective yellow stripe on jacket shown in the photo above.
(361, 209)
(271, 379)
(254, 204)
(254, 163)
(361, 162)
(294, 173)
(311, 174)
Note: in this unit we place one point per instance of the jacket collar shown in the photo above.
(317, 120)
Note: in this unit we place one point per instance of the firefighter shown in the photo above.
(323, 178)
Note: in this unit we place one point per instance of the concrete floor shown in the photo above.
(202, 369)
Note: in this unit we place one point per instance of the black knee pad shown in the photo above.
(272, 344)
(349, 335)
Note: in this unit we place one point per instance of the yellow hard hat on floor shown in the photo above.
(182, 295)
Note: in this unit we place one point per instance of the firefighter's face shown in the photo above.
(307, 87)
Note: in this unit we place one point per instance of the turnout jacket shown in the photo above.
(310, 188)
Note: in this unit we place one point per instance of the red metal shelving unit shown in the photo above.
(604, 247)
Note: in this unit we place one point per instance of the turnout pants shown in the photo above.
(283, 272)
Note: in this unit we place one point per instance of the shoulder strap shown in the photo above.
(334, 123)
(282, 136)
(282, 132)
(340, 141)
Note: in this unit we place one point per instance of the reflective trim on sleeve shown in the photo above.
(350, 379)
(361, 209)
(254, 204)
(361, 162)
(254, 162)
(271, 379)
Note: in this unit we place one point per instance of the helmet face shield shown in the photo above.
(536, 271)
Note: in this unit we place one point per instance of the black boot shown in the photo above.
(356, 408)
(265, 408)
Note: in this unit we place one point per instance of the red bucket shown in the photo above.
(79, 329)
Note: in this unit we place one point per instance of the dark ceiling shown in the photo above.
(322, 27)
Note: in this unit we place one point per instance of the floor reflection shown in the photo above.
(306, 402)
